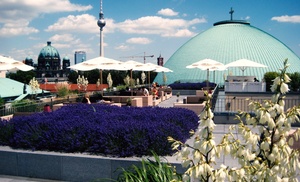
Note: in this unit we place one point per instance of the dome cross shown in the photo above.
(231, 13)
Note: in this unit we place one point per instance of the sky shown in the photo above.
(134, 28)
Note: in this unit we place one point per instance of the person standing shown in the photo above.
(145, 91)
(86, 99)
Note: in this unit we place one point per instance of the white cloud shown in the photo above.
(84, 23)
(64, 41)
(180, 33)
(17, 28)
(16, 15)
(33, 38)
(62, 38)
(29, 9)
(157, 25)
(247, 18)
(139, 40)
(167, 12)
(81, 23)
(21, 54)
(122, 47)
(61, 46)
(151, 25)
(286, 18)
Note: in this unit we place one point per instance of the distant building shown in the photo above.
(79, 57)
(66, 63)
(49, 64)
(160, 61)
(29, 61)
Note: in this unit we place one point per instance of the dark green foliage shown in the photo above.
(6, 132)
(268, 77)
(1, 101)
(93, 76)
(295, 81)
(22, 76)
(72, 77)
(25, 105)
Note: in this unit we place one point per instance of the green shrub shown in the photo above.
(63, 89)
(150, 171)
(295, 81)
(268, 77)
(1, 101)
(25, 105)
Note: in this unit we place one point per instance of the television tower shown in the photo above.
(101, 23)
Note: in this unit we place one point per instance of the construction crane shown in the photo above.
(140, 57)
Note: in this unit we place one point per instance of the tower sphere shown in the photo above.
(101, 23)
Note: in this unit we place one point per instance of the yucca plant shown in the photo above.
(150, 171)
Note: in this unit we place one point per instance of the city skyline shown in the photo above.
(134, 28)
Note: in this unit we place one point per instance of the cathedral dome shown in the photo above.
(66, 58)
(29, 60)
(48, 61)
(49, 52)
(228, 41)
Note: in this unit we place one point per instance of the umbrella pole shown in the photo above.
(131, 83)
(101, 81)
(163, 75)
(207, 79)
(214, 76)
(149, 79)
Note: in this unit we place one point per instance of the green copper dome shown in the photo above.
(49, 52)
(228, 41)
(28, 58)
(66, 58)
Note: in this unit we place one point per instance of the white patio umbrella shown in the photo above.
(134, 66)
(163, 70)
(209, 65)
(243, 64)
(101, 63)
(8, 64)
(137, 66)
(149, 67)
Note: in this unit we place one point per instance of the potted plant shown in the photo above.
(178, 94)
(128, 102)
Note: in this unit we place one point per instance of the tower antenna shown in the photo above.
(101, 23)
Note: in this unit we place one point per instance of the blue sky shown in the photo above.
(133, 27)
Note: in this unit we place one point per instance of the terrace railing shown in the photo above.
(222, 104)
(9, 109)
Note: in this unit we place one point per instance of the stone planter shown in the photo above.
(63, 166)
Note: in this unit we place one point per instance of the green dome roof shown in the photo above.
(49, 52)
(28, 58)
(228, 41)
(66, 58)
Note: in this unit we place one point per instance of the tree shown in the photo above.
(263, 152)
(72, 77)
(22, 76)
(268, 77)
(295, 81)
